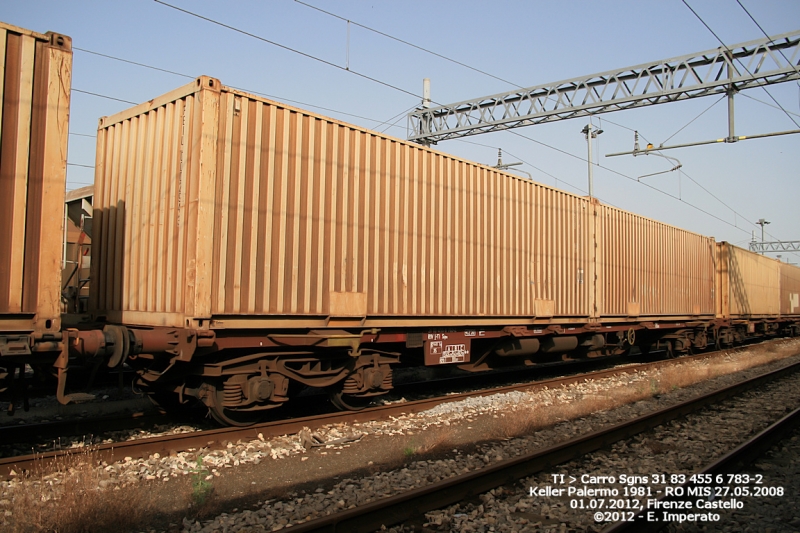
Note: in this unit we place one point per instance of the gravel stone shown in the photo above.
(681, 446)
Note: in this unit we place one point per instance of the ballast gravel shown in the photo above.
(680, 447)
(297, 507)
(776, 512)
(676, 449)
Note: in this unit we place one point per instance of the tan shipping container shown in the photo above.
(216, 205)
(749, 285)
(790, 290)
(35, 80)
(648, 269)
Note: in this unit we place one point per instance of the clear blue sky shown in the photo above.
(526, 42)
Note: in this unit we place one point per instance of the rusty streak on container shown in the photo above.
(35, 80)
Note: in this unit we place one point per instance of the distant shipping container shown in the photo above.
(748, 283)
(650, 269)
(790, 290)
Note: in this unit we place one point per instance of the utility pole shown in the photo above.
(762, 222)
(730, 91)
(426, 104)
(590, 134)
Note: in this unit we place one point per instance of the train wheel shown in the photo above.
(348, 402)
(231, 417)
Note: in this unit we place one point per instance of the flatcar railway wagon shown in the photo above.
(656, 276)
(35, 92)
(241, 245)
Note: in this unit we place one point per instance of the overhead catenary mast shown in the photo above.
(711, 72)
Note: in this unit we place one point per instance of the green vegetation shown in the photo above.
(201, 486)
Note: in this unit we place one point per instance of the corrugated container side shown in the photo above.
(650, 269)
(790, 290)
(305, 217)
(35, 80)
(750, 284)
(153, 208)
(344, 210)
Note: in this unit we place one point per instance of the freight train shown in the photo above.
(242, 249)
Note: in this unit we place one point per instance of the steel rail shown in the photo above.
(399, 508)
(143, 417)
(218, 438)
(37, 433)
(729, 463)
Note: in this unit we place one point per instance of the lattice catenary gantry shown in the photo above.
(717, 71)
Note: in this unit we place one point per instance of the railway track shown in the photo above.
(66, 433)
(219, 437)
(54, 434)
(729, 464)
(415, 503)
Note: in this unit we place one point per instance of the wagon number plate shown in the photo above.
(448, 347)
